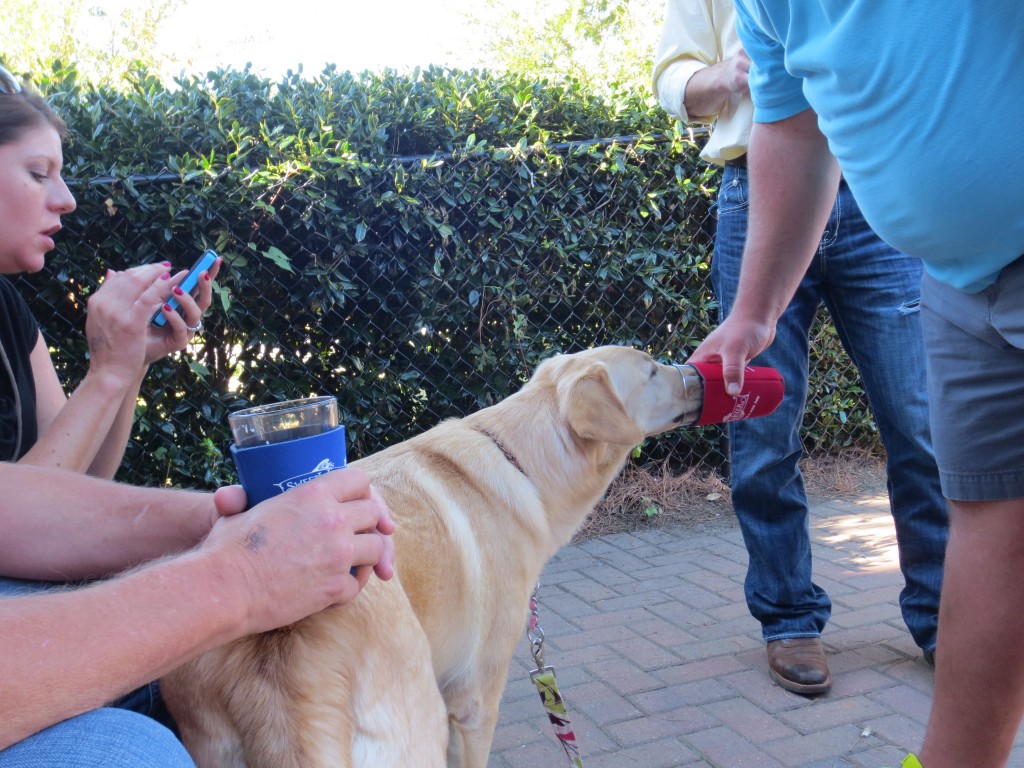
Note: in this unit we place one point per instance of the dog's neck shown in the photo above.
(559, 478)
(503, 448)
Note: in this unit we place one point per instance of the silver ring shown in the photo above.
(195, 328)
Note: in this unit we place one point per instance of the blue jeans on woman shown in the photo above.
(132, 732)
(872, 293)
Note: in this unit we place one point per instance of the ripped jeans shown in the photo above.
(872, 293)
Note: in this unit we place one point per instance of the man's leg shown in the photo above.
(873, 294)
(765, 479)
(103, 738)
(979, 670)
(975, 346)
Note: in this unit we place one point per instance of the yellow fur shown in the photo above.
(411, 673)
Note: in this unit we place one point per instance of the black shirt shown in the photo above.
(18, 334)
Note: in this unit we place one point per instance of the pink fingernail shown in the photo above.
(177, 291)
(165, 276)
(166, 263)
(206, 276)
(167, 308)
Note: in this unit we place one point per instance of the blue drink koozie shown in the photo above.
(267, 470)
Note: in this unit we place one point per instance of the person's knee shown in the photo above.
(997, 524)
(103, 738)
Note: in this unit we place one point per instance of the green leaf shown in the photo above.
(200, 370)
(277, 256)
(223, 295)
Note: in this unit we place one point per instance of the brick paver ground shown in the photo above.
(661, 665)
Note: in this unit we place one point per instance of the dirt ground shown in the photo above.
(642, 499)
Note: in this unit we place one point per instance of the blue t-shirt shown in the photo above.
(922, 103)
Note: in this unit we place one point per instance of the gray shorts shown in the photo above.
(975, 346)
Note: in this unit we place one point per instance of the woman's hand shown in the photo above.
(122, 339)
(193, 307)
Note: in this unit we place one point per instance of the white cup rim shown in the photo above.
(284, 405)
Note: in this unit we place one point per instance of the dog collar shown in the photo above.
(501, 447)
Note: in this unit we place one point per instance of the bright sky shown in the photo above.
(276, 35)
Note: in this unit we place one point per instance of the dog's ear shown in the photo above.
(593, 409)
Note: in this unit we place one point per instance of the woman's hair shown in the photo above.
(24, 110)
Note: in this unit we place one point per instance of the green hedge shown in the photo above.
(413, 244)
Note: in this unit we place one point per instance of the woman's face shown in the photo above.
(33, 196)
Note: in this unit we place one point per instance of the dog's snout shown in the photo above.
(693, 393)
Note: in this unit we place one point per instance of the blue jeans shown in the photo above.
(133, 732)
(873, 295)
(102, 738)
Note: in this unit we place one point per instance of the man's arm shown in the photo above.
(60, 525)
(689, 45)
(68, 651)
(793, 184)
(73, 650)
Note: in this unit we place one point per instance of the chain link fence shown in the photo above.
(409, 322)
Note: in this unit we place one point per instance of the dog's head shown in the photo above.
(617, 395)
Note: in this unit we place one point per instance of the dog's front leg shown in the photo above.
(472, 729)
(470, 748)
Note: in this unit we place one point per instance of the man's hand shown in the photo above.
(736, 74)
(711, 88)
(294, 553)
(734, 344)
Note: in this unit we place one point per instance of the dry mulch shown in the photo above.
(645, 498)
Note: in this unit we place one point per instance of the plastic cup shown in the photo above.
(284, 421)
(283, 445)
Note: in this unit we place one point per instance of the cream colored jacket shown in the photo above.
(697, 34)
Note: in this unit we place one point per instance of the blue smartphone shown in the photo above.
(202, 264)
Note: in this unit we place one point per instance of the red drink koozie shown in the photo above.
(762, 392)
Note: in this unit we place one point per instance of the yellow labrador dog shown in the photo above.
(411, 673)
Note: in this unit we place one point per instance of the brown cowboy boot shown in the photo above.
(798, 664)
